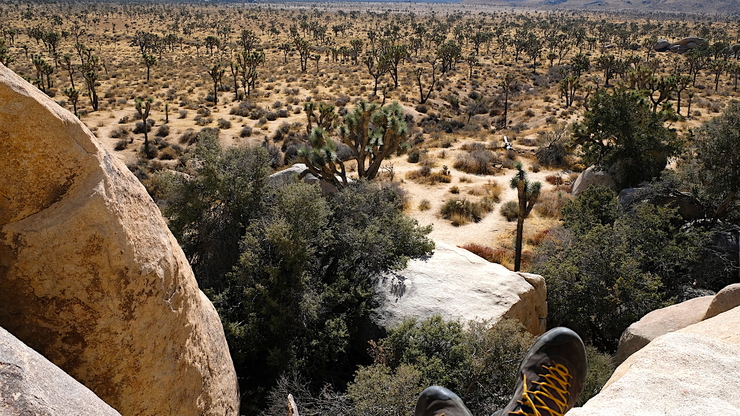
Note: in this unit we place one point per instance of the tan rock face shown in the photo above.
(660, 322)
(726, 299)
(457, 284)
(31, 385)
(691, 371)
(91, 277)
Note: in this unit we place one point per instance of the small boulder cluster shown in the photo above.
(681, 46)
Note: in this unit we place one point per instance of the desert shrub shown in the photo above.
(139, 128)
(479, 162)
(204, 111)
(168, 153)
(554, 155)
(462, 211)
(608, 266)
(243, 109)
(422, 108)
(510, 210)
(246, 131)
(455, 189)
(120, 132)
(425, 175)
(538, 238)
(325, 401)
(600, 370)
(490, 190)
(371, 390)
(188, 137)
(163, 131)
(124, 120)
(278, 277)
(223, 124)
(414, 155)
(271, 115)
(257, 113)
(425, 205)
(182, 113)
(549, 204)
(202, 121)
(480, 250)
(478, 361)
(121, 144)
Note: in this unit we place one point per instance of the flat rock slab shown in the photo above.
(460, 285)
(32, 385)
(692, 371)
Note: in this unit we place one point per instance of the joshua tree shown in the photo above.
(527, 193)
(216, 73)
(568, 87)
(304, 52)
(143, 107)
(507, 83)
(74, 97)
(372, 135)
(418, 72)
(148, 60)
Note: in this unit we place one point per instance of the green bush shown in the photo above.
(480, 363)
(291, 272)
(600, 370)
(606, 268)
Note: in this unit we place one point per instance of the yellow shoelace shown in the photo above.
(554, 387)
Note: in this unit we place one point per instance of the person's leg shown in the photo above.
(551, 377)
(438, 401)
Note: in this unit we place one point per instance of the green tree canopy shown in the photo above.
(292, 272)
(621, 134)
(608, 267)
(711, 164)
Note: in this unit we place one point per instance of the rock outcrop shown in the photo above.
(726, 299)
(680, 46)
(592, 177)
(457, 284)
(31, 385)
(690, 371)
(660, 322)
(91, 277)
(675, 317)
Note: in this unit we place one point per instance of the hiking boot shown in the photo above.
(438, 401)
(550, 377)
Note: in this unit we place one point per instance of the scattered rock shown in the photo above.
(660, 322)
(91, 277)
(684, 372)
(662, 45)
(295, 171)
(31, 385)
(457, 284)
(726, 299)
(591, 177)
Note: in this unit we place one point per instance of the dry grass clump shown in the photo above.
(478, 162)
(426, 176)
(538, 238)
(550, 204)
(425, 205)
(490, 189)
(120, 132)
(463, 211)
(498, 255)
(510, 210)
